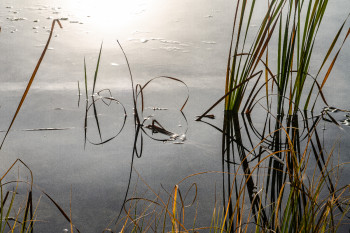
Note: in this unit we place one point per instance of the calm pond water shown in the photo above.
(188, 40)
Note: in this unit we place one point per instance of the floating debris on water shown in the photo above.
(14, 30)
(137, 32)
(9, 7)
(47, 129)
(58, 109)
(157, 108)
(171, 49)
(208, 42)
(169, 41)
(160, 129)
(156, 38)
(210, 116)
(76, 21)
(36, 21)
(143, 40)
(35, 27)
(64, 18)
(182, 137)
(50, 48)
(208, 16)
(16, 19)
(178, 143)
(114, 64)
(155, 127)
(330, 109)
(147, 118)
(50, 17)
(346, 122)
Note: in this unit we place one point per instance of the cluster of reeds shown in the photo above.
(296, 23)
(284, 183)
(289, 180)
(22, 217)
(296, 39)
(290, 200)
(19, 213)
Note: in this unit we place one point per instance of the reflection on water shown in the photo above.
(160, 39)
(276, 173)
(279, 179)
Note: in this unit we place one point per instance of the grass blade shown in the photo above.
(31, 78)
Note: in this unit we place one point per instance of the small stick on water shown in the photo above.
(46, 129)
(211, 116)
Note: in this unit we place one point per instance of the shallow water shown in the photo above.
(188, 40)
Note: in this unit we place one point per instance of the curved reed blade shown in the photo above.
(136, 116)
(104, 100)
(31, 78)
(165, 77)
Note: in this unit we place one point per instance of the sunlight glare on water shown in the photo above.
(107, 12)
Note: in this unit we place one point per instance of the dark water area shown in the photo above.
(181, 39)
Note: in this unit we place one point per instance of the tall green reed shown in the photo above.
(297, 23)
(297, 34)
(242, 68)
